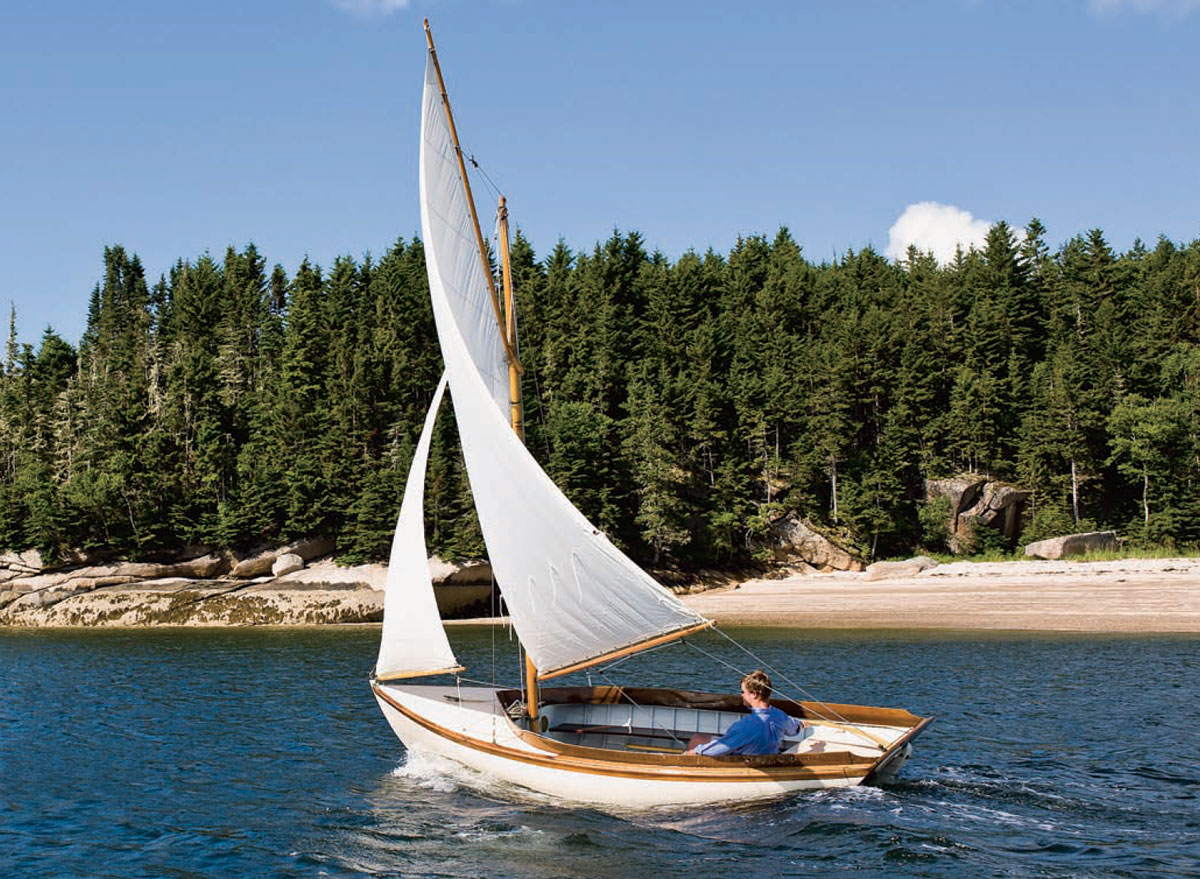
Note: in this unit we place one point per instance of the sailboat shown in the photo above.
(574, 599)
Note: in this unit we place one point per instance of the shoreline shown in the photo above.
(1124, 596)
(1144, 596)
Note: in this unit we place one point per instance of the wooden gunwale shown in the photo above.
(822, 759)
(596, 761)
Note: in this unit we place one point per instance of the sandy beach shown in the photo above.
(1128, 595)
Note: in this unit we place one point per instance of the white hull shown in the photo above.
(468, 726)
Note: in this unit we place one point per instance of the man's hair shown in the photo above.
(758, 684)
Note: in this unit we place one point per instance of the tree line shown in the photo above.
(683, 405)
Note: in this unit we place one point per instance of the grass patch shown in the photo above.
(1018, 555)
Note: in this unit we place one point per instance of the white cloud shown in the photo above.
(1176, 8)
(939, 228)
(369, 8)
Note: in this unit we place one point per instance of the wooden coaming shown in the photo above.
(815, 711)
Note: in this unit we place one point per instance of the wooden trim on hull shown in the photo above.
(743, 763)
(684, 768)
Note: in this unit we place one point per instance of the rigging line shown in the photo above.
(629, 656)
(470, 157)
(842, 721)
(485, 683)
(801, 690)
(492, 599)
(653, 722)
(714, 657)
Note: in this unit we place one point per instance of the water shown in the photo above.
(247, 753)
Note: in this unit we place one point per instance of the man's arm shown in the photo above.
(735, 737)
(794, 725)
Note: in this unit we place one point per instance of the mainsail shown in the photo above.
(571, 594)
(413, 642)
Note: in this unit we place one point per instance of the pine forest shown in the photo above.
(683, 406)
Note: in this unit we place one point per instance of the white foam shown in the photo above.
(431, 772)
(513, 833)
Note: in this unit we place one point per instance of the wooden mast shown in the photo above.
(516, 410)
(516, 406)
(505, 317)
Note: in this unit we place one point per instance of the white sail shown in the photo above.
(413, 641)
(571, 594)
(449, 232)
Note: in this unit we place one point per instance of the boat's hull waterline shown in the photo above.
(470, 726)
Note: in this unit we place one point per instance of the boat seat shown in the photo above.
(641, 732)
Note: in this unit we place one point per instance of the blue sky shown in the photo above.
(173, 128)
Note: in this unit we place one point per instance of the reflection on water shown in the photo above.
(261, 753)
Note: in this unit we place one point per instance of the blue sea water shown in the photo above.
(247, 753)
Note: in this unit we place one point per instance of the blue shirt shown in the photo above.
(757, 733)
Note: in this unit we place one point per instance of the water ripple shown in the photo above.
(192, 754)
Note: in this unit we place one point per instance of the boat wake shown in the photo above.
(431, 772)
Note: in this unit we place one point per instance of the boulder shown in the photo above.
(204, 568)
(998, 506)
(895, 570)
(460, 573)
(27, 562)
(262, 562)
(255, 565)
(1073, 544)
(310, 547)
(978, 503)
(795, 540)
(37, 583)
(961, 490)
(286, 564)
(330, 576)
(138, 570)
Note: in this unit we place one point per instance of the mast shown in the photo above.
(516, 408)
(505, 316)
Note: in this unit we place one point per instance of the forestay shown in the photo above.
(571, 594)
(413, 641)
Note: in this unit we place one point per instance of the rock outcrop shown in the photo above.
(14, 564)
(204, 591)
(896, 570)
(1073, 544)
(461, 573)
(978, 503)
(262, 562)
(795, 540)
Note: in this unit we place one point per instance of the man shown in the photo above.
(758, 733)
